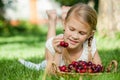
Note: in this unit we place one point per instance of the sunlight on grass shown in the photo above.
(21, 51)
(107, 43)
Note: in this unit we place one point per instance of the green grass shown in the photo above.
(31, 47)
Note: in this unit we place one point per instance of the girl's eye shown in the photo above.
(71, 29)
(82, 33)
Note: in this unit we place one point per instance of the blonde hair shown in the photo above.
(87, 15)
(83, 12)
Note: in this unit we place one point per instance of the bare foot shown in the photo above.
(65, 9)
(52, 15)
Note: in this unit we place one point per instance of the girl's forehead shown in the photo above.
(78, 24)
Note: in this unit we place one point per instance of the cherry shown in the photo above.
(90, 70)
(89, 63)
(75, 64)
(77, 70)
(80, 62)
(82, 70)
(70, 66)
(96, 69)
(99, 68)
(63, 68)
(93, 66)
(64, 44)
(80, 67)
(85, 66)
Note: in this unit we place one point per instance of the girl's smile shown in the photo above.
(73, 42)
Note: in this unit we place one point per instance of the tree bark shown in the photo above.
(108, 17)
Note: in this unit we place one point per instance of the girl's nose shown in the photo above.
(75, 35)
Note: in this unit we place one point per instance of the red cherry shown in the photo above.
(77, 70)
(66, 44)
(85, 66)
(90, 70)
(80, 67)
(89, 63)
(80, 62)
(63, 68)
(93, 66)
(82, 70)
(75, 63)
(99, 68)
(62, 43)
(70, 66)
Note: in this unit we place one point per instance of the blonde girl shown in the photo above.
(79, 28)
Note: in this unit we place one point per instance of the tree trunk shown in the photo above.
(116, 10)
(108, 20)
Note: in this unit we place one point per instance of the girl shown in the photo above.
(79, 28)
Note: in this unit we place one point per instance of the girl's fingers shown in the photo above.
(56, 44)
(57, 40)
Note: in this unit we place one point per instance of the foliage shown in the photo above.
(23, 28)
(1, 4)
(70, 2)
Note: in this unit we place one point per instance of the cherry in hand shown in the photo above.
(64, 44)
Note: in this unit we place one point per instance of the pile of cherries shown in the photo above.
(82, 67)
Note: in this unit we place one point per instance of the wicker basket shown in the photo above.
(112, 67)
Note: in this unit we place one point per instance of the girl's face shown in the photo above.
(76, 33)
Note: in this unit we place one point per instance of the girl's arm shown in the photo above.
(97, 59)
(52, 20)
(52, 17)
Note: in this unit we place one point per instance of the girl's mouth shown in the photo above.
(73, 42)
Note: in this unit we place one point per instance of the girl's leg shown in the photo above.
(65, 9)
(52, 20)
(30, 65)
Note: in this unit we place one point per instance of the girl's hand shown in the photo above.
(52, 15)
(56, 44)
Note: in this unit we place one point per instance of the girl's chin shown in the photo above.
(72, 46)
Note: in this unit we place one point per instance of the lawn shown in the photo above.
(31, 47)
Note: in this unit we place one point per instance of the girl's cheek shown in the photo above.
(67, 33)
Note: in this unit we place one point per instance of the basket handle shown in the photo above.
(113, 62)
(54, 67)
